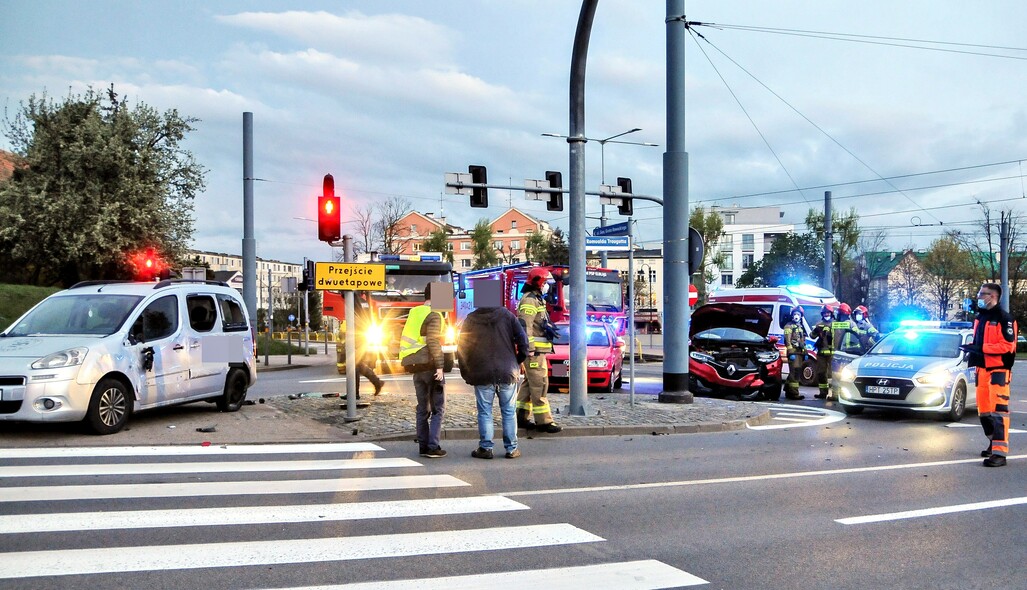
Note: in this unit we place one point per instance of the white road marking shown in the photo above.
(978, 426)
(813, 417)
(243, 515)
(224, 488)
(745, 478)
(66, 562)
(63, 452)
(932, 511)
(629, 575)
(206, 467)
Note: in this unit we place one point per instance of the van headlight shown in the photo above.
(65, 358)
(375, 336)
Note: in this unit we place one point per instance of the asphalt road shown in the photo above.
(810, 506)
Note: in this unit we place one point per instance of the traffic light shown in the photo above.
(302, 286)
(625, 208)
(329, 220)
(309, 275)
(555, 199)
(479, 195)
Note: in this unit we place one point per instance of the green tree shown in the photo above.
(481, 245)
(101, 179)
(947, 270)
(536, 247)
(558, 252)
(710, 226)
(438, 241)
(845, 233)
(793, 258)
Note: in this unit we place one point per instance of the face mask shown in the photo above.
(545, 288)
(981, 304)
(797, 318)
(826, 317)
(858, 317)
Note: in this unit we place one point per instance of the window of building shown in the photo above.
(513, 224)
(748, 243)
(729, 261)
(727, 241)
(727, 279)
(413, 229)
(515, 260)
(449, 246)
(729, 218)
(417, 246)
(515, 245)
(498, 245)
(465, 246)
(747, 260)
(465, 263)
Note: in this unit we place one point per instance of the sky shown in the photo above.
(783, 101)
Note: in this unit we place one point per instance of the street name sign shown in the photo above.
(609, 243)
(617, 229)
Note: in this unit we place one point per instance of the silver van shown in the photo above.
(100, 351)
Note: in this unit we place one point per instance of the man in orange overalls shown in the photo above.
(992, 352)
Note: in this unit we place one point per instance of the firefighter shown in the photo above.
(992, 352)
(846, 339)
(825, 350)
(795, 347)
(868, 334)
(531, 311)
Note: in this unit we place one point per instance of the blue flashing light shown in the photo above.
(809, 291)
(384, 257)
(431, 258)
(911, 335)
(920, 324)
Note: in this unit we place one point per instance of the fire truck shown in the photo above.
(405, 279)
(604, 292)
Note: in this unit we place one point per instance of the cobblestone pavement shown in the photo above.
(390, 416)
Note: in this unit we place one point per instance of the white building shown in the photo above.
(748, 234)
(229, 269)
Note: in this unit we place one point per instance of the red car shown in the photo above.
(730, 354)
(605, 357)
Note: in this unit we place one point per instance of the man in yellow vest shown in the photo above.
(531, 311)
(423, 331)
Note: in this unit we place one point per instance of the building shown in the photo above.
(510, 234)
(749, 233)
(228, 268)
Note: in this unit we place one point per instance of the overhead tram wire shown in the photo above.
(878, 40)
(810, 121)
(694, 33)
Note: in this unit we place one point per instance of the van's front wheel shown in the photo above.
(109, 407)
(235, 392)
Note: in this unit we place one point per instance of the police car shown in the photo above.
(918, 367)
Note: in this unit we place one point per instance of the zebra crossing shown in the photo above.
(797, 415)
(58, 505)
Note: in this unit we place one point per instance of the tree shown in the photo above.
(909, 282)
(481, 245)
(438, 241)
(558, 252)
(119, 172)
(711, 227)
(947, 268)
(536, 247)
(389, 234)
(365, 226)
(987, 241)
(793, 258)
(845, 234)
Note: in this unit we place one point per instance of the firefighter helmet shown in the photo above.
(826, 310)
(798, 310)
(538, 275)
(845, 309)
(863, 308)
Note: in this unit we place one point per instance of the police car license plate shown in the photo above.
(882, 390)
(560, 369)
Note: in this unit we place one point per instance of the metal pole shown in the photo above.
(270, 316)
(306, 317)
(631, 314)
(578, 375)
(1004, 262)
(828, 248)
(249, 243)
(675, 210)
(351, 348)
(602, 216)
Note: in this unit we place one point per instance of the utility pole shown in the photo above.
(1004, 262)
(828, 248)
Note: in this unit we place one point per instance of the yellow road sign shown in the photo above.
(347, 276)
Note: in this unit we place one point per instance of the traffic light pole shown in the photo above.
(351, 330)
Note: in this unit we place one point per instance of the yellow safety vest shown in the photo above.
(411, 341)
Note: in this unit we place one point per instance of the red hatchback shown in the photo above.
(605, 357)
(729, 352)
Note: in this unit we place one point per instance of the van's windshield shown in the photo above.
(80, 315)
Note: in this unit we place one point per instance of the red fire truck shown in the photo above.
(604, 292)
(405, 278)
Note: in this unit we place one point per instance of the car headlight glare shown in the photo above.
(847, 375)
(702, 357)
(597, 363)
(768, 356)
(65, 358)
(936, 378)
(375, 335)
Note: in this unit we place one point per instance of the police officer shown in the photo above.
(795, 348)
(992, 352)
(531, 311)
(824, 335)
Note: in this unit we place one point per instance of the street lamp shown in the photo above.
(602, 167)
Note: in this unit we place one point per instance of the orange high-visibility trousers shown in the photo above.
(993, 407)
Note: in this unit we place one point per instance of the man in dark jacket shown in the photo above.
(492, 346)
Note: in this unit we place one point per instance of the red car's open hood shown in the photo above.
(730, 315)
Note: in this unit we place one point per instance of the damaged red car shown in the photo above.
(730, 355)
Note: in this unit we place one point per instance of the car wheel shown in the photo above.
(609, 384)
(958, 407)
(808, 375)
(852, 410)
(109, 407)
(235, 392)
(619, 383)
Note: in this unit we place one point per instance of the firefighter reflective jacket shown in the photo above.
(795, 339)
(532, 312)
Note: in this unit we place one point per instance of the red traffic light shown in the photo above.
(329, 220)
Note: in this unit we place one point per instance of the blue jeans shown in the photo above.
(484, 394)
(431, 405)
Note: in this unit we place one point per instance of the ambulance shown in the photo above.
(778, 302)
